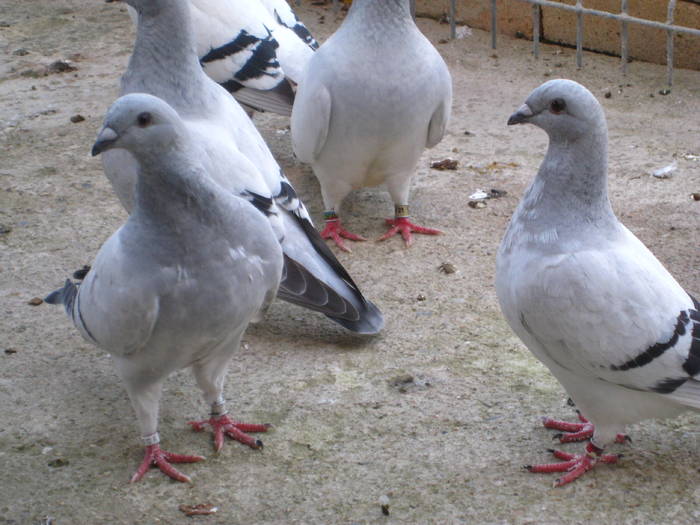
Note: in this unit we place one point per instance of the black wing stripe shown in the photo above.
(262, 203)
(668, 386)
(82, 321)
(300, 30)
(264, 55)
(692, 364)
(657, 349)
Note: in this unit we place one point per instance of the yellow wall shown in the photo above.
(600, 34)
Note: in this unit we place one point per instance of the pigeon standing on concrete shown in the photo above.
(179, 282)
(256, 49)
(585, 295)
(373, 97)
(165, 64)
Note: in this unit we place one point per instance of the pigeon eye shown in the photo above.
(557, 106)
(144, 119)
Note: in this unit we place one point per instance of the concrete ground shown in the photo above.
(433, 418)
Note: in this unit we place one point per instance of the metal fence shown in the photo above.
(623, 17)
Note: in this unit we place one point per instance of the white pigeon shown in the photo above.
(178, 283)
(164, 64)
(585, 295)
(256, 49)
(373, 97)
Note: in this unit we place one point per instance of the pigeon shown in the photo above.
(256, 49)
(178, 283)
(284, 15)
(165, 65)
(373, 97)
(585, 295)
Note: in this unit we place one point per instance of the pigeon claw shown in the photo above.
(224, 426)
(573, 465)
(573, 432)
(154, 456)
(335, 231)
(406, 228)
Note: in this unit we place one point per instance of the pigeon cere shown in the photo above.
(350, 262)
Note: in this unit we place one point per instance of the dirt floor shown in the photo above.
(435, 417)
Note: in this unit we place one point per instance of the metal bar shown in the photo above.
(579, 34)
(669, 41)
(614, 16)
(453, 19)
(494, 23)
(624, 37)
(536, 30)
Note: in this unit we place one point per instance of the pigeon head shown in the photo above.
(139, 123)
(563, 108)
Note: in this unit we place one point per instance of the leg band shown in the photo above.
(401, 211)
(330, 215)
(152, 439)
(218, 408)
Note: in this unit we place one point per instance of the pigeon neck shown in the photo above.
(169, 184)
(571, 185)
(388, 13)
(164, 61)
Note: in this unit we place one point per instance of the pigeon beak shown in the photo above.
(521, 115)
(105, 139)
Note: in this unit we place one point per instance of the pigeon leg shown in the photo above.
(155, 456)
(210, 375)
(144, 398)
(574, 465)
(571, 432)
(401, 224)
(222, 425)
(334, 230)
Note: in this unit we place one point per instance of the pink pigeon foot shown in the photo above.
(574, 465)
(404, 226)
(155, 456)
(334, 230)
(572, 432)
(223, 424)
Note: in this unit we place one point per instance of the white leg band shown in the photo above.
(218, 408)
(152, 439)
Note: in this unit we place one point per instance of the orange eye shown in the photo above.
(557, 106)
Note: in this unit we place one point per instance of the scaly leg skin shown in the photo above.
(155, 456)
(334, 230)
(402, 224)
(222, 425)
(572, 432)
(575, 465)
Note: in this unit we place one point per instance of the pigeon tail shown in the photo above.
(279, 99)
(64, 296)
(299, 286)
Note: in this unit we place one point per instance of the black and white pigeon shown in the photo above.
(585, 295)
(164, 64)
(178, 283)
(256, 49)
(373, 97)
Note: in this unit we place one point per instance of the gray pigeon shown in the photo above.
(373, 97)
(164, 64)
(585, 295)
(179, 282)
